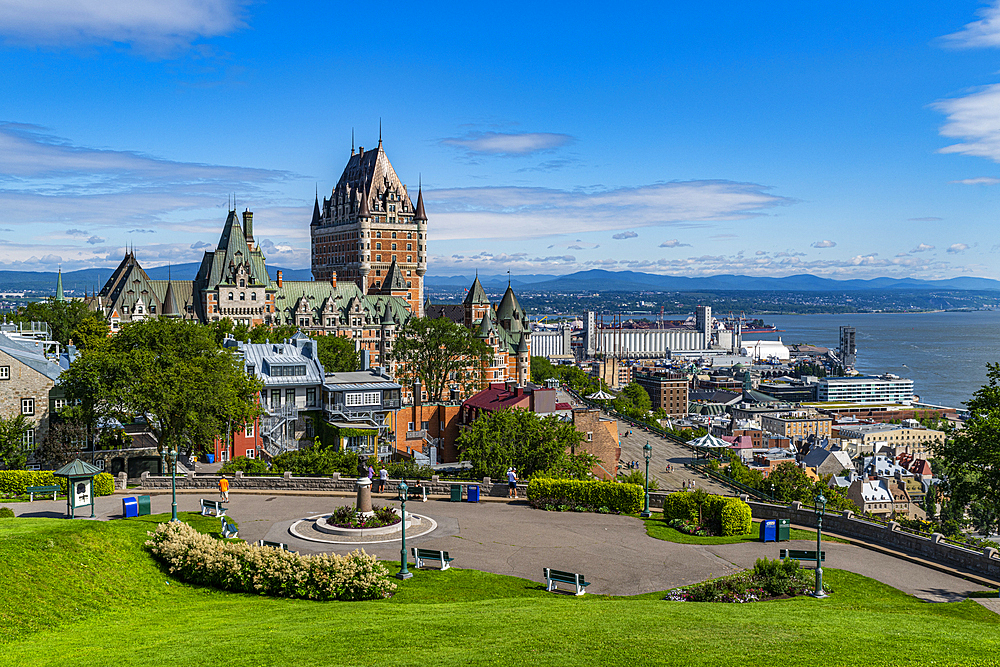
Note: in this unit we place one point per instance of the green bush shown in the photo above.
(104, 484)
(637, 477)
(247, 466)
(6, 513)
(625, 498)
(242, 567)
(722, 515)
(16, 482)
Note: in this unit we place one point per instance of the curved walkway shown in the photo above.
(613, 552)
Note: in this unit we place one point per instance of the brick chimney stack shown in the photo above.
(248, 227)
(280, 283)
(333, 279)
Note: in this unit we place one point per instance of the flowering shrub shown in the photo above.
(348, 517)
(768, 579)
(237, 566)
(689, 527)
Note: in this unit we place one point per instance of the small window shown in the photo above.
(249, 430)
(590, 436)
(393, 246)
(230, 296)
(378, 246)
(253, 296)
(29, 438)
(251, 453)
(243, 283)
(243, 296)
(409, 246)
(4, 372)
(310, 398)
(409, 426)
(425, 425)
(27, 406)
(394, 236)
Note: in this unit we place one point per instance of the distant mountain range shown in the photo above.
(596, 280)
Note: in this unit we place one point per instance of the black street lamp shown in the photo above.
(403, 572)
(820, 509)
(647, 451)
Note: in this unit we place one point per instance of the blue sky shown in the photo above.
(848, 141)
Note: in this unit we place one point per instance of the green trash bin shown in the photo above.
(144, 505)
(456, 493)
(784, 530)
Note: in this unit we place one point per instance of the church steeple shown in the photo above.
(59, 287)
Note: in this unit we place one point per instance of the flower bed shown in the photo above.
(559, 505)
(348, 517)
(238, 566)
(768, 580)
(689, 527)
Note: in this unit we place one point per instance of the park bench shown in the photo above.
(410, 491)
(553, 577)
(229, 530)
(214, 507)
(420, 555)
(32, 490)
(275, 545)
(797, 554)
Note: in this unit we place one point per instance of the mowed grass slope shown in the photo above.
(87, 593)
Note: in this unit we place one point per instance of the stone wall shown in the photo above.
(932, 548)
(287, 482)
(25, 382)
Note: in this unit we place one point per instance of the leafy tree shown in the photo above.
(633, 400)
(983, 517)
(258, 334)
(930, 501)
(245, 465)
(316, 461)
(529, 443)
(13, 454)
(440, 352)
(971, 457)
(63, 317)
(542, 370)
(90, 332)
(63, 443)
(337, 354)
(172, 374)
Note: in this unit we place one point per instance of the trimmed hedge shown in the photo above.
(625, 498)
(16, 482)
(724, 515)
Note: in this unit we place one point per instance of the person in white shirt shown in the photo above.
(383, 477)
(511, 483)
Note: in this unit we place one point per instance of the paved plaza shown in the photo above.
(511, 538)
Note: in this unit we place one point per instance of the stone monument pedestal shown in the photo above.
(364, 500)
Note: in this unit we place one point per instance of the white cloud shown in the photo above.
(923, 247)
(624, 235)
(982, 33)
(957, 247)
(975, 119)
(510, 144)
(141, 231)
(979, 180)
(76, 232)
(674, 243)
(155, 26)
(524, 212)
(824, 244)
(929, 218)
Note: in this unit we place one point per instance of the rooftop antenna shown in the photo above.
(352, 141)
(508, 278)
(379, 130)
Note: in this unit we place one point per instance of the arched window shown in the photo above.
(394, 235)
(243, 283)
(230, 296)
(253, 296)
(243, 296)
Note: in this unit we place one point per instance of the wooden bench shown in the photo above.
(214, 507)
(275, 545)
(229, 530)
(797, 554)
(420, 555)
(553, 577)
(409, 493)
(32, 490)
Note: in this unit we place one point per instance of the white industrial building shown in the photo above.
(762, 350)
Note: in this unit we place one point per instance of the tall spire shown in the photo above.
(380, 132)
(59, 287)
(419, 214)
(363, 208)
(352, 141)
(315, 219)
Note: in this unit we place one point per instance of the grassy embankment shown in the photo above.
(82, 592)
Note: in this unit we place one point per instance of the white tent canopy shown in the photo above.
(601, 395)
(708, 440)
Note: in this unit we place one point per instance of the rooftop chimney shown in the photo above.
(333, 279)
(280, 283)
(417, 389)
(248, 226)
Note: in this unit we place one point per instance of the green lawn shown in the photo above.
(85, 592)
(657, 527)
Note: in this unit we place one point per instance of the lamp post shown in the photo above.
(172, 459)
(647, 451)
(820, 509)
(403, 572)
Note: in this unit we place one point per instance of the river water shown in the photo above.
(945, 354)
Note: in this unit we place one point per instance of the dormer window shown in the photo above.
(243, 283)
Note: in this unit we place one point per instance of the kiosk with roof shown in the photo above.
(80, 485)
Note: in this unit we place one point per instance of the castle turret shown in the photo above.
(523, 360)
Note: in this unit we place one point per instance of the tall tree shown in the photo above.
(522, 439)
(171, 373)
(13, 453)
(440, 352)
(63, 317)
(971, 457)
(337, 354)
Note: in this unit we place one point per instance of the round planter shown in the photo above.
(324, 526)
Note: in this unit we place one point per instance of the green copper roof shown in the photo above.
(476, 294)
(59, 287)
(77, 468)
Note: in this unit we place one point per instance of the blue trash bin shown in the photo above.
(769, 530)
(130, 507)
(210, 457)
(472, 494)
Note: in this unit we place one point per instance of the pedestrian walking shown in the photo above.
(224, 489)
(511, 483)
(383, 477)
(371, 471)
